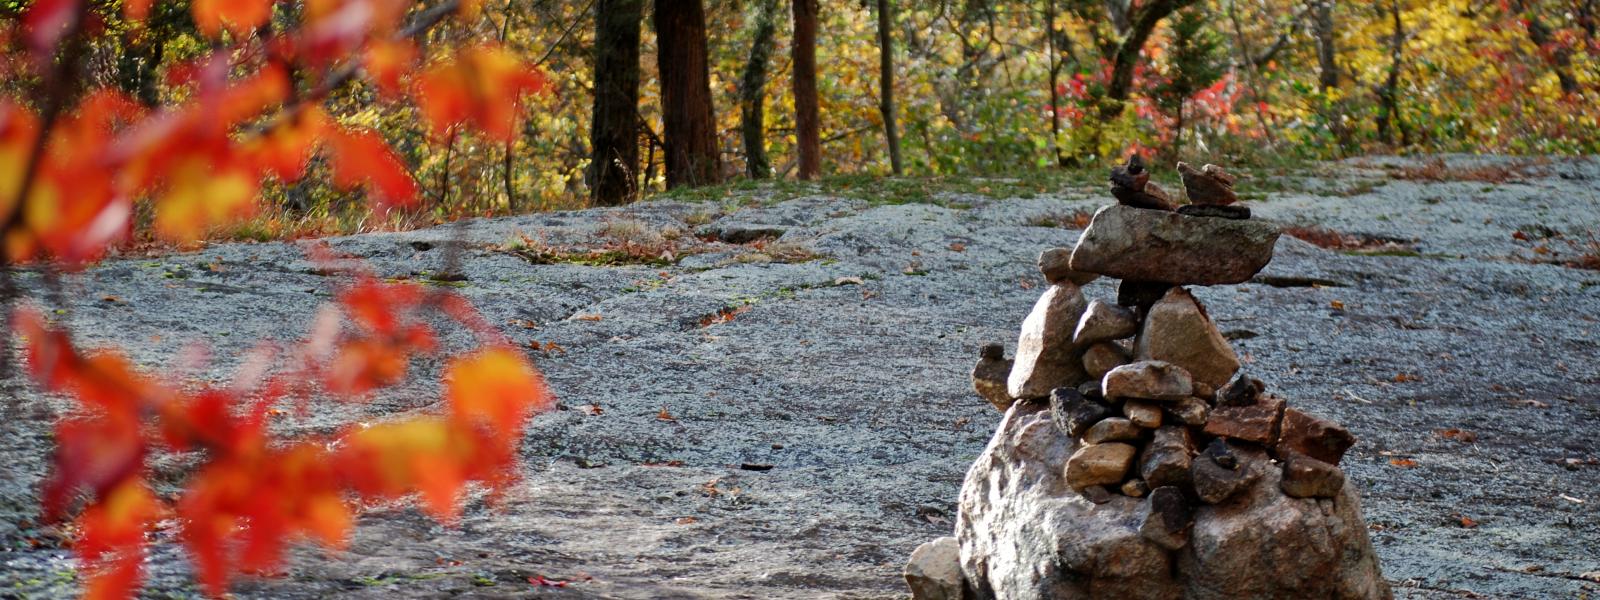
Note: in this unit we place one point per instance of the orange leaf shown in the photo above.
(497, 385)
(239, 17)
(201, 194)
(1404, 463)
(387, 62)
(361, 157)
(481, 86)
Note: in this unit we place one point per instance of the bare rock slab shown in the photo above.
(1177, 330)
(1156, 245)
(1046, 358)
(934, 572)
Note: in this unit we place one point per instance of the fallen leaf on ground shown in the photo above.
(1467, 522)
(664, 415)
(589, 317)
(1460, 435)
(1404, 463)
(848, 281)
(686, 520)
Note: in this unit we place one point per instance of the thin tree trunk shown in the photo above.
(689, 130)
(1541, 36)
(614, 132)
(1055, 79)
(1249, 67)
(886, 83)
(806, 118)
(1388, 94)
(1127, 54)
(1323, 28)
(752, 93)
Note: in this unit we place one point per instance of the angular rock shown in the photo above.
(989, 376)
(1177, 330)
(1097, 494)
(1212, 210)
(1264, 544)
(1113, 429)
(1167, 518)
(1130, 186)
(1153, 245)
(1221, 453)
(1103, 357)
(1147, 380)
(1190, 411)
(1091, 389)
(1166, 459)
(1242, 390)
(1099, 464)
(1054, 265)
(1207, 185)
(934, 571)
(1025, 536)
(1143, 413)
(1046, 358)
(1205, 391)
(1306, 477)
(1215, 484)
(1257, 423)
(1136, 488)
(1103, 322)
(1139, 295)
(1313, 436)
(1074, 413)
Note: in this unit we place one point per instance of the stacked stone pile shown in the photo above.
(1135, 460)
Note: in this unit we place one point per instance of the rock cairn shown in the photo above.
(1135, 460)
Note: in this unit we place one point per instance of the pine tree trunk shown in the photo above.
(752, 93)
(1324, 30)
(689, 130)
(806, 118)
(886, 83)
(614, 132)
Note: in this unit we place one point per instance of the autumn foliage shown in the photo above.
(78, 165)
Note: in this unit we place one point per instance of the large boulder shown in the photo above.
(1025, 535)
(1137, 244)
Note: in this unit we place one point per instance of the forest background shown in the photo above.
(987, 88)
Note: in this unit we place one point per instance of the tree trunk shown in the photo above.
(806, 118)
(1389, 93)
(1541, 36)
(886, 83)
(1133, 45)
(752, 93)
(1055, 78)
(614, 132)
(689, 130)
(1324, 29)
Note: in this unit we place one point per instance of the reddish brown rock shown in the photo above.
(1144, 413)
(1101, 358)
(1112, 430)
(1257, 423)
(1313, 436)
(1167, 518)
(1166, 459)
(1208, 185)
